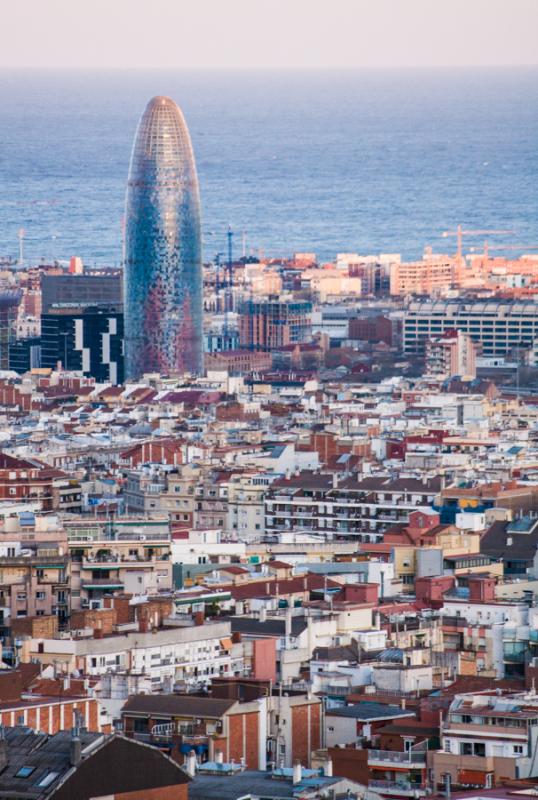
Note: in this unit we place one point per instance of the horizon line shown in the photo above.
(266, 68)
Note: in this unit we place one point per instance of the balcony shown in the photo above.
(397, 788)
(102, 584)
(396, 759)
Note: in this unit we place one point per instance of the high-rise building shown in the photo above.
(97, 288)
(9, 304)
(163, 260)
(84, 338)
(275, 322)
(453, 353)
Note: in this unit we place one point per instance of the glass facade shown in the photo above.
(163, 260)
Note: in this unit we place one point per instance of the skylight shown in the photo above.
(24, 772)
(47, 779)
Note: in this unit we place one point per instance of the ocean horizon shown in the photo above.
(370, 161)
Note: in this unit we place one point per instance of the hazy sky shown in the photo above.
(267, 33)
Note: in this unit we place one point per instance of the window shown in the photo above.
(518, 749)
(40, 595)
(47, 779)
(24, 772)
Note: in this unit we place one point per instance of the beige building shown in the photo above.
(122, 555)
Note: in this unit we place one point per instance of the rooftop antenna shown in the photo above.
(244, 244)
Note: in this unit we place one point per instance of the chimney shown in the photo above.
(66, 684)
(297, 772)
(190, 764)
(4, 758)
(328, 768)
(219, 758)
(236, 637)
(288, 625)
(199, 618)
(263, 614)
(97, 633)
(75, 748)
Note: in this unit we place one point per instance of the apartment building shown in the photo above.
(23, 480)
(156, 490)
(354, 507)
(453, 353)
(277, 321)
(186, 651)
(207, 725)
(488, 738)
(120, 555)
(33, 583)
(427, 276)
(245, 516)
(500, 327)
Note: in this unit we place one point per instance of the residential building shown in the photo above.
(271, 323)
(453, 353)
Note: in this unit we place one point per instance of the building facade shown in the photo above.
(86, 339)
(163, 262)
(266, 324)
(500, 326)
(453, 353)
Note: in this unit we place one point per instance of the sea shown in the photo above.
(363, 161)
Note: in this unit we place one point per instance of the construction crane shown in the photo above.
(460, 233)
(521, 247)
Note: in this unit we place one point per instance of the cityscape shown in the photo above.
(269, 519)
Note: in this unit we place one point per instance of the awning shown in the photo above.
(226, 644)
(198, 748)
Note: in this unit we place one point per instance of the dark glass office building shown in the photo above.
(88, 339)
(163, 260)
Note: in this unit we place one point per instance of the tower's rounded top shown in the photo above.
(162, 100)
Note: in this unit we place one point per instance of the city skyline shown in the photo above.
(163, 261)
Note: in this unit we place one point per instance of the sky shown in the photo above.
(259, 34)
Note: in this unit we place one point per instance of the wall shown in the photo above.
(264, 659)
(340, 730)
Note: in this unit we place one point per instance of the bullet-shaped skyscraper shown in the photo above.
(163, 258)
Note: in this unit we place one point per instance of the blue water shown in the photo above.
(365, 161)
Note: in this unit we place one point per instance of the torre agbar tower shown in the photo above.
(163, 260)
